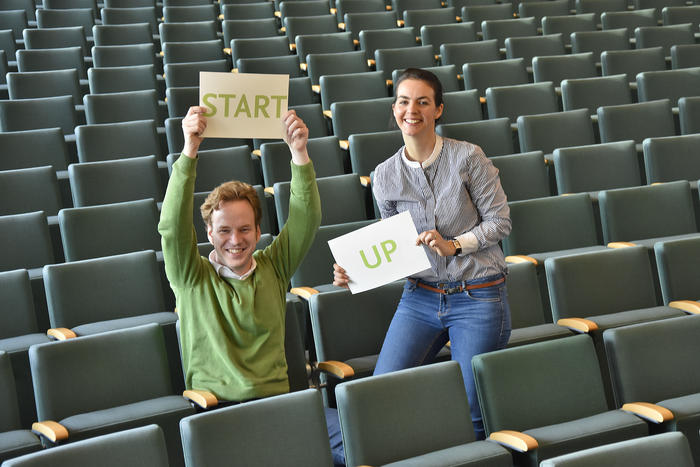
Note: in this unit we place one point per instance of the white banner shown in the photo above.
(243, 105)
(380, 253)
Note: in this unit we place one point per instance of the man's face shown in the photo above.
(234, 234)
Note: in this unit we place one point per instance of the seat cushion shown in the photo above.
(17, 442)
(162, 318)
(22, 343)
(649, 242)
(541, 332)
(641, 315)
(540, 257)
(478, 453)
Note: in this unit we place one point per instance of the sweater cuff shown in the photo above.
(469, 243)
(187, 164)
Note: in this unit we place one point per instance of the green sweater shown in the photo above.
(232, 331)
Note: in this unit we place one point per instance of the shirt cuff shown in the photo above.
(469, 243)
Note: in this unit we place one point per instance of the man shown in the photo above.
(232, 305)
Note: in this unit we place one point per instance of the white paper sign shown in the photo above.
(243, 105)
(380, 253)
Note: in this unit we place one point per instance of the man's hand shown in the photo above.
(193, 125)
(339, 277)
(435, 242)
(296, 135)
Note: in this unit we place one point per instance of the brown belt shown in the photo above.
(459, 288)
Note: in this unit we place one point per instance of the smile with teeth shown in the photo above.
(235, 251)
(411, 120)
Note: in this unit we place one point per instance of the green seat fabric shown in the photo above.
(323, 43)
(427, 16)
(216, 166)
(540, 10)
(549, 131)
(122, 79)
(528, 47)
(635, 121)
(143, 446)
(439, 34)
(629, 20)
(284, 65)
(631, 62)
(41, 112)
(663, 449)
(121, 140)
(325, 152)
(522, 99)
(559, 68)
(34, 148)
(566, 370)
(187, 74)
(599, 41)
(675, 261)
(460, 106)
(307, 25)
(188, 32)
(123, 34)
(668, 84)
(52, 59)
(651, 362)
(479, 13)
(567, 24)
(366, 116)
(122, 107)
(181, 14)
(664, 36)
(591, 93)
(434, 430)
(671, 158)
(28, 190)
(93, 386)
(321, 64)
(130, 15)
(685, 56)
(51, 38)
(28, 241)
(503, 28)
(388, 60)
(494, 136)
(35, 84)
(258, 47)
(199, 51)
(523, 176)
(368, 150)
(689, 109)
(176, 140)
(180, 99)
(386, 38)
(483, 75)
(352, 87)
(468, 52)
(356, 23)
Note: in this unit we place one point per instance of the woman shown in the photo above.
(455, 198)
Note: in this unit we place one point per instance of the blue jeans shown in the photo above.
(474, 321)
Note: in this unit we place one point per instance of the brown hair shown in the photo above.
(231, 191)
(421, 75)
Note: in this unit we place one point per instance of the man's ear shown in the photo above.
(210, 230)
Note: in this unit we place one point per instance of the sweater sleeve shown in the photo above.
(291, 245)
(182, 260)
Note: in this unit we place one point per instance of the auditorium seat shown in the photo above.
(323, 43)
(560, 67)
(664, 36)
(334, 64)
(521, 99)
(460, 54)
(672, 158)
(325, 153)
(523, 176)
(480, 13)
(483, 75)
(392, 38)
(308, 8)
(629, 20)
(689, 114)
(358, 22)
(494, 136)
(427, 16)
(387, 60)
(216, 166)
(635, 121)
(503, 28)
(352, 87)
(191, 13)
(197, 51)
(567, 24)
(541, 9)
(247, 11)
(122, 34)
(549, 131)
(528, 47)
(599, 6)
(366, 116)
(591, 93)
(599, 41)
(188, 32)
(439, 34)
(675, 261)
(367, 150)
(187, 74)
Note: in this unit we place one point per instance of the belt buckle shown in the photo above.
(453, 290)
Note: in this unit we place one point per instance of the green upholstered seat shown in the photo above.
(503, 28)
(630, 20)
(188, 31)
(181, 98)
(689, 110)
(357, 22)
(352, 87)
(676, 262)
(664, 36)
(427, 421)
(366, 116)
(121, 140)
(540, 10)
(460, 106)
(685, 55)
(122, 79)
(567, 24)
(258, 47)
(307, 25)
(134, 13)
(323, 43)
(494, 136)
(427, 15)
(480, 12)
(339, 63)
(33, 84)
(123, 34)
(653, 362)
(668, 84)
(521, 99)
(137, 446)
(483, 75)
(199, 51)
(549, 131)
(523, 176)
(216, 166)
(563, 405)
(559, 68)
(368, 150)
(663, 449)
(528, 47)
(182, 14)
(448, 33)
(248, 11)
(285, 430)
(591, 93)
(325, 153)
(469, 52)
(386, 38)
(671, 158)
(284, 65)
(631, 62)
(387, 60)
(122, 107)
(176, 140)
(50, 38)
(187, 74)
(40, 112)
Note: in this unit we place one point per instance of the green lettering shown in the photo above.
(278, 99)
(226, 99)
(242, 107)
(260, 103)
(387, 251)
(207, 103)
(376, 255)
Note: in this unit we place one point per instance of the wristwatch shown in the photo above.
(458, 247)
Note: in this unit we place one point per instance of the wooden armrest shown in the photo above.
(304, 292)
(689, 306)
(336, 368)
(620, 244)
(227, 50)
(234, 70)
(269, 190)
(292, 47)
(389, 83)
(161, 53)
(387, 7)
(400, 23)
(652, 412)
(520, 259)
(257, 152)
(371, 62)
(341, 26)
(328, 114)
(53, 431)
(356, 42)
(365, 180)
(515, 440)
(204, 399)
(303, 66)
(344, 144)
(316, 88)
(61, 334)
(278, 14)
(482, 100)
(578, 324)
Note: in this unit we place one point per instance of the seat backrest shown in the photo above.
(27, 5)
(304, 25)
(547, 132)
(52, 38)
(93, 290)
(558, 68)
(323, 43)
(508, 404)
(342, 200)
(109, 229)
(66, 17)
(388, 60)
(460, 106)
(629, 214)
(393, 38)
(216, 166)
(550, 224)
(335, 64)
(675, 260)
(188, 32)
(98, 372)
(122, 79)
(429, 16)
(352, 87)
(28, 190)
(668, 346)
(52, 59)
(28, 241)
(402, 5)
(17, 317)
(122, 140)
(629, 20)
(314, 269)
(32, 84)
(33, 148)
(599, 283)
(681, 15)
(521, 99)
(669, 448)
(668, 84)
(524, 299)
(199, 51)
(483, 75)
(180, 99)
(527, 47)
(591, 93)
(366, 116)
(130, 447)
(8, 398)
(42, 112)
(480, 13)
(599, 41)
(176, 140)
(358, 22)
(494, 136)
(144, 14)
(447, 74)
(477, 51)
(671, 158)
(347, 326)
(295, 421)
(187, 74)
(635, 121)
(566, 24)
(121, 107)
(689, 110)
(181, 14)
(307, 8)
(597, 167)
(14, 20)
(438, 34)
(358, 6)
(503, 28)
(247, 29)
(325, 152)
(664, 36)
(523, 176)
(368, 150)
(685, 56)
(248, 11)
(599, 6)
(428, 423)
(541, 9)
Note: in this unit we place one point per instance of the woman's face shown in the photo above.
(415, 110)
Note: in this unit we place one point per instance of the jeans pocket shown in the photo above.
(485, 294)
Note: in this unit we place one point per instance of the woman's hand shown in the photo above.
(193, 125)
(339, 277)
(433, 240)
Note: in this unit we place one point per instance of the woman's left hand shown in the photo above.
(433, 240)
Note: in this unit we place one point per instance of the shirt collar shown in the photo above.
(225, 271)
(433, 156)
